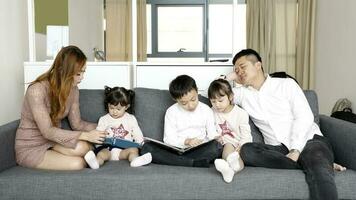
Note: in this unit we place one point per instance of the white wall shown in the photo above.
(13, 51)
(85, 20)
(335, 52)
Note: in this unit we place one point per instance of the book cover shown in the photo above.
(175, 149)
(121, 143)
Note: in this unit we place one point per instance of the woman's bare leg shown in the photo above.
(80, 150)
(54, 160)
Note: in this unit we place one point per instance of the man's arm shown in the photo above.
(302, 114)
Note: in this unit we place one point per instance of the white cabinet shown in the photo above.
(159, 76)
(128, 75)
(97, 75)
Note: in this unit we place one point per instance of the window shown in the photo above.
(181, 29)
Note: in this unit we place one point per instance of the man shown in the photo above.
(279, 109)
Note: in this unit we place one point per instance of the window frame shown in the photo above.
(181, 3)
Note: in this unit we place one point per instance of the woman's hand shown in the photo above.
(94, 136)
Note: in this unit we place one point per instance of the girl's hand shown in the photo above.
(219, 139)
(94, 136)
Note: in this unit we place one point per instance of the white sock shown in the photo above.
(115, 154)
(234, 161)
(223, 167)
(141, 160)
(90, 158)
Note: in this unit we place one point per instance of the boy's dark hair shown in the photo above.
(219, 88)
(119, 95)
(181, 85)
(247, 52)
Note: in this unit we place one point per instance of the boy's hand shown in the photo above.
(293, 154)
(192, 142)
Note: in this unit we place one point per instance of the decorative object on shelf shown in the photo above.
(99, 55)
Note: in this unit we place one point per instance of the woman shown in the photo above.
(40, 142)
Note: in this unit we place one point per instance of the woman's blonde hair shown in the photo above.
(67, 64)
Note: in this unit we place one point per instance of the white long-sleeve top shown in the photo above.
(125, 127)
(280, 110)
(180, 124)
(233, 126)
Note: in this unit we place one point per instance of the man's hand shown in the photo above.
(293, 154)
(338, 167)
(192, 142)
(232, 76)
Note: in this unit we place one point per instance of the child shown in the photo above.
(118, 123)
(232, 122)
(187, 123)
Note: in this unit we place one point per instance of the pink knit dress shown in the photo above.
(36, 134)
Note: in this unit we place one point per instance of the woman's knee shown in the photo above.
(82, 148)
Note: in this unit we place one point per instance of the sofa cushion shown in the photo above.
(7, 143)
(117, 180)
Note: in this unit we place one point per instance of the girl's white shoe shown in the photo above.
(224, 168)
(90, 158)
(145, 159)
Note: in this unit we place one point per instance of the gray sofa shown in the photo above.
(116, 180)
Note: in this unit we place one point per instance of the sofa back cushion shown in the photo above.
(150, 107)
(313, 103)
(91, 104)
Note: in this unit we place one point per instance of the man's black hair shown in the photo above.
(181, 85)
(246, 52)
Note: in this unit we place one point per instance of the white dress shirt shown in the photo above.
(180, 124)
(280, 110)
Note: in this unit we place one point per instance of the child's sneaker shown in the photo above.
(115, 154)
(234, 161)
(141, 160)
(223, 167)
(90, 158)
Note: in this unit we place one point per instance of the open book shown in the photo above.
(175, 149)
(121, 143)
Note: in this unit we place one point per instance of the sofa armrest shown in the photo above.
(342, 136)
(7, 145)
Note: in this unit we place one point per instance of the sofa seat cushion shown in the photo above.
(117, 180)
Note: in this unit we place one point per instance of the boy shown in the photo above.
(188, 123)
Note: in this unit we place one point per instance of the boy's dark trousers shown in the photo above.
(316, 161)
(200, 157)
